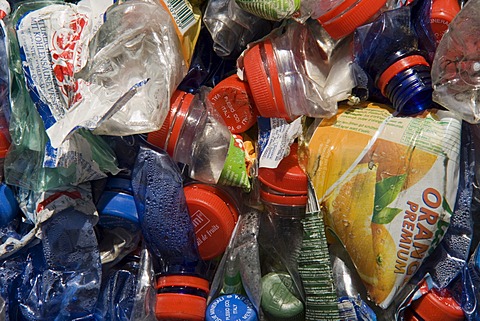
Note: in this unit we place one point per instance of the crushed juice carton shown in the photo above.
(387, 186)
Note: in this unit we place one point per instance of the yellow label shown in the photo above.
(386, 186)
(187, 22)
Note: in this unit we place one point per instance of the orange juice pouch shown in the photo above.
(386, 186)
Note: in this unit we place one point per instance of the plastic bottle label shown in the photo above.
(275, 134)
(392, 180)
(234, 171)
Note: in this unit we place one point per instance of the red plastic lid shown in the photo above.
(183, 280)
(230, 98)
(397, 67)
(167, 136)
(442, 13)
(213, 215)
(288, 177)
(179, 306)
(350, 14)
(287, 200)
(438, 306)
(262, 77)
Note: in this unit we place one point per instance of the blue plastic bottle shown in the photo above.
(117, 294)
(62, 282)
(388, 51)
(169, 234)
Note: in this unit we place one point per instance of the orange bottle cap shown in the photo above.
(213, 215)
(288, 177)
(442, 13)
(346, 17)
(167, 136)
(230, 98)
(262, 77)
(438, 307)
(178, 306)
(184, 281)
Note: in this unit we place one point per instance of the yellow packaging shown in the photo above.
(187, 21)
(386, 186)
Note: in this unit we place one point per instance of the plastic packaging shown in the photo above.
(8, 205)
(270, 10)
(286, 74)
(32, 162)
(169, 234)
(240, 270)
(106, 90)
(379, 186)
(118, 220)
(194, 135)
(62, 282)
(434, 305)
(455, 68)
(343, 17)
(397, 68)
(232, 307)
(214, 213)
(231, 99)
(441, 15)
(232, 28)
(207, 68)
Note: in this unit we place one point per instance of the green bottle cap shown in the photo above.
(278, 301)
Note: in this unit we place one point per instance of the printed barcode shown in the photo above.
(182, 13)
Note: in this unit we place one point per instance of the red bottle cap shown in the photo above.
(167, 136)
(213, 215)
(348, 15)
(442, 13)
(230, 98)
(181, 306)
(397, 67)
(438, 306)
(262, 77)
(288, 177)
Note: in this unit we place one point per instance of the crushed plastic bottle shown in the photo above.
(169, 234)
(194, 135)
(388, 51)
(232, 28)
(456, 67)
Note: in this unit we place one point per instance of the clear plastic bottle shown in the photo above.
(193, 135)
(456, 66)
(168, 232)
(231, 27)
(286, 74)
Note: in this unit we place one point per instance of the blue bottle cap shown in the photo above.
(116, 206)
(232, 307)
(8, 205)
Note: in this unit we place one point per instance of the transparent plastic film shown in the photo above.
(387, 187)
(239, 269)
(456, 66)
(115, 69)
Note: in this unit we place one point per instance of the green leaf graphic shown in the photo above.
(386, 191)
(446, 207)
(386, 215)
